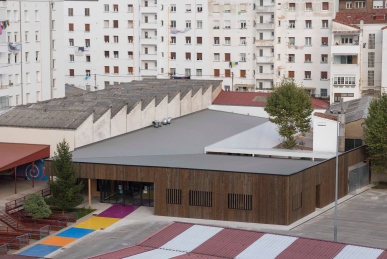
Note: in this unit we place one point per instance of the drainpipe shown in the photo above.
(361, 56)
(21, 57)
(341, 120)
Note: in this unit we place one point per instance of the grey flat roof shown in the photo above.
(181, 145)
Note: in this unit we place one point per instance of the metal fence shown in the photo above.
(17, 204)
(4, 248)
(358, 177)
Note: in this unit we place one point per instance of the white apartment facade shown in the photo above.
(30, 53)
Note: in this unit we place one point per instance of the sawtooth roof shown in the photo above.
(355, 110)
(71, 111)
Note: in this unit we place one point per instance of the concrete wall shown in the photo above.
(148, 114)
(84, 133)
(185, 104)
(354, 129)
(324, 135)
(134, 119)
(196, 101)
(37, 136)
(101, 128)
(174, 107)
(207, 98)
(161, 111)
(118, 122)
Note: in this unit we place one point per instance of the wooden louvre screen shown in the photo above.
(199, 56)
(188, 55)
(240, 201)
(243, 73)
(227, 73)
(227, 56)
(324, 40)
(87, 27)
(173, 55)
(106, 38)
(71, 72)
(71, 27)
(291, 74)
(115, 23)
(308, 6)
(130, 70)
(325, 5)
(115, 6)
(308, 57)
(106, 69)
(216, 72)
(199, 40)
(324, 75)
(115, 70)
(200, 198)
(173, 196)
(297, 201)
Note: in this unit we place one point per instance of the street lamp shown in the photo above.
(337, 172)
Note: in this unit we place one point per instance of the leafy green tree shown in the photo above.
(65, 192)
(36, 207)
(290, 107)
(375, 134)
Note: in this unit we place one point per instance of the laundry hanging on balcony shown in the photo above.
(79, 51)
(14, 47)
(3, 25)
(232, 64)
(176, 31)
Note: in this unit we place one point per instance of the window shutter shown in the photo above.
(227, 73)
(130, 70)
(71, 27)
(243, 73)
(87, 27)
(71, 72)
(324, 75)
(115, 23)
(187, 55)
(325, 5)
(227, 57)
(199, 56)
(106, 69)
(216, 72)
(291, 74)
(115, 70)
(308, 57)
(199, 40)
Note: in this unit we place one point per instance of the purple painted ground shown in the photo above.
(118, 211)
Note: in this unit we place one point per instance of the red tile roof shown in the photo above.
(353, 18)
(129, 251)
(13, 154)
(255, 99)
(325, 116)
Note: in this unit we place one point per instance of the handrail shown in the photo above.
(12, 205)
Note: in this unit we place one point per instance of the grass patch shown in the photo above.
(381, 185)
(81, 211)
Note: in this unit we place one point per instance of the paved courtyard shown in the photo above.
(361, 222)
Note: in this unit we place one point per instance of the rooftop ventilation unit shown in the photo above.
(165, 121)
(156, 123)
(169, 120)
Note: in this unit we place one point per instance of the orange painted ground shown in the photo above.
(58, 241)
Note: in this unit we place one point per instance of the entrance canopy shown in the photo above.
(14, 154)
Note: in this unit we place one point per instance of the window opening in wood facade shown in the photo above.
(297, 201)
(173, 196)
(240, 201)
(200, 198)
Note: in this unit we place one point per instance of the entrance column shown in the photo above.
(89, 190)
(15, 178)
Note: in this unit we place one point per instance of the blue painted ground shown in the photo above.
(40, 250)
(75, 232)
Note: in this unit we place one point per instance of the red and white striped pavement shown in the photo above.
(184, 240)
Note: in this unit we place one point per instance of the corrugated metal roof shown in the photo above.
(156, 254)
(162, 237)
(228, 243)
(304, 248)
(191, 238)
(354, 110)
(134, 250)
(358, 252)
(268, 246)
(14, 154)
(197, 256)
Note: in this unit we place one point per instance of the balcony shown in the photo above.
(148, 9)
(269, 59)
(263, 43)
(265, 76)
(345, 49)
(149, 41)
(148, 25)
(3, 47)
(264, 26)
(3, 69)
(265, 9)
(152, 57)
(149, 72)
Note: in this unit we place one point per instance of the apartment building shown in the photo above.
(30, 53)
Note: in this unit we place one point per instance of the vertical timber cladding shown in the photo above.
(323, 174)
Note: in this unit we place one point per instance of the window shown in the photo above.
(360, 4)
(188, 56)
(307, 74)
(243, 41)
(37, 36)
(242, 8)
(199, 24)
(227, 8)
(71, 72)
(36, 15)
(325, 6)
(130, 54)
(242, 73)
(291, 74)
(338, 96)
(243, 25)
(130, 24)
(371, 41)
(377, 4)
(106, 38)
(345, 59)
(115, 23)
(88, 73)
(130, 8)
(291, 58)
(106, 23)
(71, 58)
(348, 5)
(308, 7)
(227, 41)
(187, 72)
(292, 7)
(53, 44)
(187, 40)
(173, 196)
(26, 57)
(216, 25)
(308, 24)
(198, 72)
(130, 39)
(173, 55)
(216, 40)
(106, 8)
(324, 58)
(308, 41)
(115, 8)
(87, 11)
(116, 70)
(216, 72)
(227, 73)
(292, 24)
(260, 69)
(323, 92)
(199, 56)
(324, 75)
(70, 12)
(227, 57)
(87, 42)
(371, 59)
(325, 24)
(198, 40)
(115, 53)
(344, 80)
(200, 198)
(308, 58)
(297, 201)
(26, 36)
(292, 41)
(115, 39)
(242, 57)
(107, 54)
(187, 24)
(107, 70)
(324, 41)
(199, 8)
(173, 8)
(188, 8)
(215, 8)
(130, 70)
(173, 40)
(37, 76)
(37, 56)
(278, 40)
(240, 201)
(216, 57)
(371, 78)
(352, 143)
(173, 24)
(71, 27)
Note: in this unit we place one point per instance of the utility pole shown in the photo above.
(21, 54)
(232, 81)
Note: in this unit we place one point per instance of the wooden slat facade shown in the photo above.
(271, 194)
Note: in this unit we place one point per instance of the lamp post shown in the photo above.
(337, 174)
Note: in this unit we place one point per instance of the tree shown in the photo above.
(65, 192)
(36, 207)
(290, 107)
(375, 134)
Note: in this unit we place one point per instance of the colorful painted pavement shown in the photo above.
(105, 219)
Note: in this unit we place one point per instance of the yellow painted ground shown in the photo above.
(58, 241)
(96, 223)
